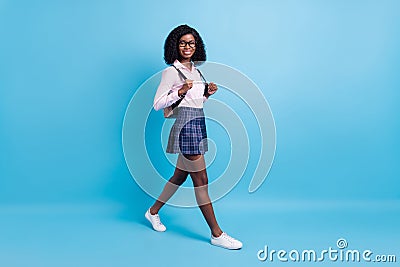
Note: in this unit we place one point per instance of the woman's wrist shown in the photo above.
(181, 93)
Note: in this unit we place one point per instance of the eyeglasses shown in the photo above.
(191, 44)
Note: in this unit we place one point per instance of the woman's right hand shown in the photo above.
(186, 87)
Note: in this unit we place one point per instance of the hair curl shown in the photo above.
(171, 49)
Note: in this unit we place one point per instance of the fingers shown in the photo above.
(212, 88)
(189, 83)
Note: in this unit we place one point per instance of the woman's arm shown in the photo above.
(165, 97)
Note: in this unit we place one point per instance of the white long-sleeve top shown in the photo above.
(172, 81)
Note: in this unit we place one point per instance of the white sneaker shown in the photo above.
(226, 241)
(155, 221)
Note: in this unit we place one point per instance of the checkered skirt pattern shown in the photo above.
(188, 134)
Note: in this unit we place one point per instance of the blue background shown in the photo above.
(329, 70)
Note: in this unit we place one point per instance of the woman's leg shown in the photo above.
(200, 182)
(170, 188)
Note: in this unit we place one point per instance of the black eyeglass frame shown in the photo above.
(182, 43)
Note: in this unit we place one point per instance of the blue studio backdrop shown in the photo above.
(68, 70)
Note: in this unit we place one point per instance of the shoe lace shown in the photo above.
(229, 238)
(157, 219)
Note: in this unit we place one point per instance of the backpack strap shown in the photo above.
(174, 105)
(201, 75)
(180, 72)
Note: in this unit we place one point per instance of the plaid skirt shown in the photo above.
(188, 134)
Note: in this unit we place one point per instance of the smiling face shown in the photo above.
(187, 47)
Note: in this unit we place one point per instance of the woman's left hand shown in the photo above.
(212, 88)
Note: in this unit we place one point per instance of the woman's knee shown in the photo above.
(199, 178)
(179, 177)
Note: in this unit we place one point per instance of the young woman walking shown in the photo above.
(181, 83)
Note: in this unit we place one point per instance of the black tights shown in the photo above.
(200, 183)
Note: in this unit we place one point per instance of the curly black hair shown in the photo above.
(171, 50)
